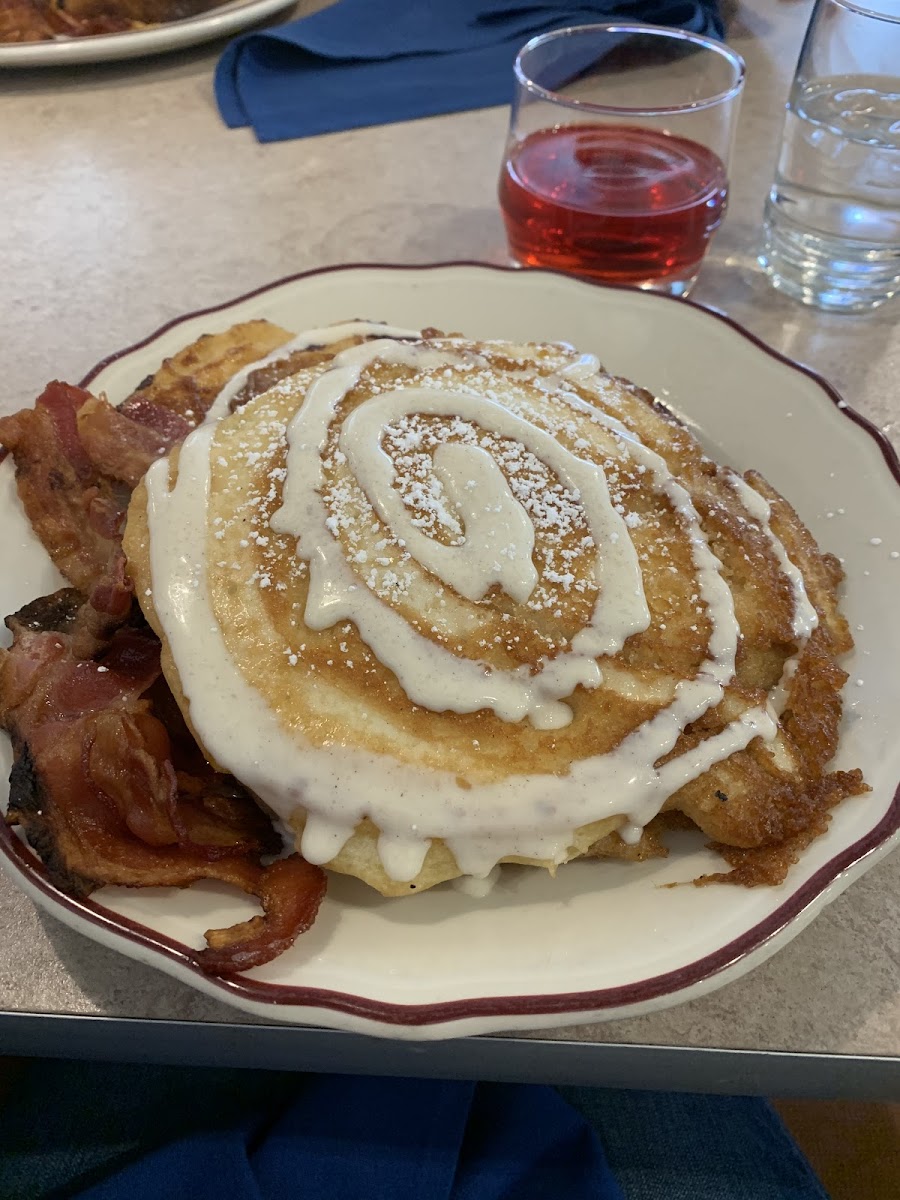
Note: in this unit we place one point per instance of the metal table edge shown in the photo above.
(509, 1059)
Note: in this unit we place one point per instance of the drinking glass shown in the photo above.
(616, 164)
(832, 219)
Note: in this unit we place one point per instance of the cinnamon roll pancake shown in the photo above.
(441, 604)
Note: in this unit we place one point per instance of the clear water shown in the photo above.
(832, 225)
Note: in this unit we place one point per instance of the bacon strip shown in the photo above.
(290, 892)
(74, 510)
(121, 443)
(106, 796)
(170, 426)
(78, 458)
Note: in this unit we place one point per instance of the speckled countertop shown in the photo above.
(125, 201)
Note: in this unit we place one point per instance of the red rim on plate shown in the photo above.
(575, 1003)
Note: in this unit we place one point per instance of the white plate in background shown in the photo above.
(158, 39)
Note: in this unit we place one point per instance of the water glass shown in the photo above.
(832, 219)
(616, 164)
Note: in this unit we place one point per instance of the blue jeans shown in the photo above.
(106, 1131)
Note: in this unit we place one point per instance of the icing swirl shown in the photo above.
(470, 530)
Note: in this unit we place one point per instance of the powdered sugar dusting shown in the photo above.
(472, 522)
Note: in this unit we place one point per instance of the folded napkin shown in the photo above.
(346, 1137)
(372, 62)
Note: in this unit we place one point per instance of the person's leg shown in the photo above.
(680, 1146)
(66, 1124)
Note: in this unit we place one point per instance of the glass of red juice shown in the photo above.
(616, 164)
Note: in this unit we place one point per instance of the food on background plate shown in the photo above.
(47, 20)
(434, 604)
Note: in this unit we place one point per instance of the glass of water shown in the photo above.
(832, 219)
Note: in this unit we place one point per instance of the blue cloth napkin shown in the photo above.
(372, 62)
(347, 1137)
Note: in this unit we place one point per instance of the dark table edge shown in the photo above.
(615, 1064)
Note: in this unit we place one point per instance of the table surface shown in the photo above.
(126, 202)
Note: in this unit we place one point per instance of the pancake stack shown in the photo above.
(442, 604)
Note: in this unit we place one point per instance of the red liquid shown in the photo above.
(613, 202)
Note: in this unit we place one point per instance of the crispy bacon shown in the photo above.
(106, 796)
(122, 444)
(61, 401)
(77, 460)
(169, 426)
(78, 457)
(290, 891)
(109, 606)
(76, 512)
(108, 783)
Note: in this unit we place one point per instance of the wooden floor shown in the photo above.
(854, 1148)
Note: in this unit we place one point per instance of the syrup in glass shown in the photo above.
(620, 203)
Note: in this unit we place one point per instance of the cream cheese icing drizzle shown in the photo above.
(429, 674)
(336, 786)
(805, 618)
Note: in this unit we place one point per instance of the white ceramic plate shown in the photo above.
(174, 35)
(603, 939)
